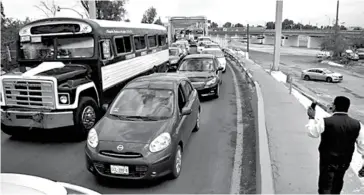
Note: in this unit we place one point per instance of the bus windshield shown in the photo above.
(67, 47)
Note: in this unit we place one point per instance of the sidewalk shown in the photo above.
(294, 155)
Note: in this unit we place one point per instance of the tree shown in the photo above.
(108, 9)
(214, 25)
(2, 11)
(238, 25)
(227, 25)
(149, 15)
(270, 25)
(49, 8)
(159, 21)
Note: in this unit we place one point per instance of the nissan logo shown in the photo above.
(120, 147)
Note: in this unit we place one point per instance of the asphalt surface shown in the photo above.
(207, 161)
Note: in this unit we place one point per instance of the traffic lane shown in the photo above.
(207, 162)
(352, 86)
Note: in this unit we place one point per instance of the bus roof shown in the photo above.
(101, 24)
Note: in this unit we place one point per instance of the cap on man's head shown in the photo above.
(342, 104)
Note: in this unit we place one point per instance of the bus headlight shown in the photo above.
(64, 98)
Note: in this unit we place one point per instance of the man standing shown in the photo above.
(339, 133)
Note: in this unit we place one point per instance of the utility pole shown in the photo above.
(278, 35)
(337, 28)
(247, 41)
(92, 9)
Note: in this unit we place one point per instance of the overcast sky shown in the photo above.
(243, 11)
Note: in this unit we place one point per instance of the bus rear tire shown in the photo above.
(86, 116)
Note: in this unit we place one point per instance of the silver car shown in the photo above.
(321, 74)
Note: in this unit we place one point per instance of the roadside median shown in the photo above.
(264, 177)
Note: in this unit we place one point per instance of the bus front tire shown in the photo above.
(86, 116)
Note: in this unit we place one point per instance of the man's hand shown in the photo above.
(311, 113)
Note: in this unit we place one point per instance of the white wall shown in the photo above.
(314, 42)
(291, 41)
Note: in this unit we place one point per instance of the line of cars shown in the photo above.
(146, 128)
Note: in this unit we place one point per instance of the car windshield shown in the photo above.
(197, 65)
(144, 103)
(217, 53)
(173, 52)
(70, 47)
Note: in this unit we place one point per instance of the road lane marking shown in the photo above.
(238, 157)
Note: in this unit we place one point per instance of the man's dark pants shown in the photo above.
(332, 171)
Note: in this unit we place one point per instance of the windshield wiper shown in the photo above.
(121, 117)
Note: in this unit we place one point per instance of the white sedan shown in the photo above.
(14, 184)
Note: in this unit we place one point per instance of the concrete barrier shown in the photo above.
(264, 176)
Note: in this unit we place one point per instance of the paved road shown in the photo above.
(207, 163)
(352, 85)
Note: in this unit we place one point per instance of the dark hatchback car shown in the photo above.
(145, 129)
(204, 72)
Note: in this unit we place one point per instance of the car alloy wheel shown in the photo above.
(307, 78)
(329, 79)
(177, 165)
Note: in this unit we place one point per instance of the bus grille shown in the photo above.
(29, 93)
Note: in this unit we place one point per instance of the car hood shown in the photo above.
(58, 70)
(222, 59)
(110, 129)
(198, 76)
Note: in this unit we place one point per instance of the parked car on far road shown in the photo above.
(360, 53)
(321, 74)
(351, 55)
(143, 133)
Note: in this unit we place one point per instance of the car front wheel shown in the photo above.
(329, 79)
(177, 165)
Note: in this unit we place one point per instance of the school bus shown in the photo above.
(67, 65)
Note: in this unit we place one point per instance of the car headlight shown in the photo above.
(212, 81)
(92, 138)
(160, 143)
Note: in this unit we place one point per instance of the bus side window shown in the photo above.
(162, 40)
(152, 41)
(123, 44)
(105, 50)
(140, 43)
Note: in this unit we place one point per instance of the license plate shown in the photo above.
(120, 170)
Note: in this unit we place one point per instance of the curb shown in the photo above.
(264, 176)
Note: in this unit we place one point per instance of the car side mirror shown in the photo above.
(105, 107)
(186, 111)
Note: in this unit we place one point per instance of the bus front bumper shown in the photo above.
(37, 119)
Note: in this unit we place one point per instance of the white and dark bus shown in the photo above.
(66, 66)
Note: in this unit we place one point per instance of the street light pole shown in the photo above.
(278, 35)
(247, 41)
(337, 26)
(92, 9)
